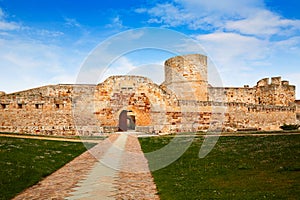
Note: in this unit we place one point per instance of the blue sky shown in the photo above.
(46, 41)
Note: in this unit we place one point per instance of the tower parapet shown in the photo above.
(263, 82)
(276, 80)
(186, 76)
(278, 92)
(285, 82)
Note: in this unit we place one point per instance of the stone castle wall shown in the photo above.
(298, 111)
(278, 93)
(240, 116)
(244, 95)
(185, 102)
(45, 110)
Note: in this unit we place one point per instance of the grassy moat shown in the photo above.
(246, 167)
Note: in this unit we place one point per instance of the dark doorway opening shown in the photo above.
(126, 121)
(130, 122)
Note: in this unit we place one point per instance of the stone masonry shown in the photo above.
(298, 111)
(184, 102)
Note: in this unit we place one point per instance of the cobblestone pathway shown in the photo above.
(101, 173)
(135, 180)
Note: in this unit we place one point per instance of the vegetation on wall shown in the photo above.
(290, 126)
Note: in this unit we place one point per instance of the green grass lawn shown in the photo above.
(23, 162)
(264, 167)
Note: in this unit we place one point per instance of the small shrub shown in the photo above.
(290, 126)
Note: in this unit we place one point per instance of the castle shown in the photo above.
(184, 102)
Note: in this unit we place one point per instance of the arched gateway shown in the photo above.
(131, 103)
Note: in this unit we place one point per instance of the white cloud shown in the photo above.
(228, 48)
(233, 8)
(121, 66)
(5, 25)
(154, 72)
(290, 44)
(265, 23)
(168, 14)
(140, 10)
(246, 17)
(72, 22)
(28, 64)
(8, 26)
(116, 23)
(27, 60)
(64, 78)
(294, 79)
(200, 14)
(1, 13)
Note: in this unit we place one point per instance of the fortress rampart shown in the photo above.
(185, 102)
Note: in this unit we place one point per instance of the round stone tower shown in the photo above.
(186, 76)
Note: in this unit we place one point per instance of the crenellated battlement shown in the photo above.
(276, 92)
(274, 81)
(263, 82)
